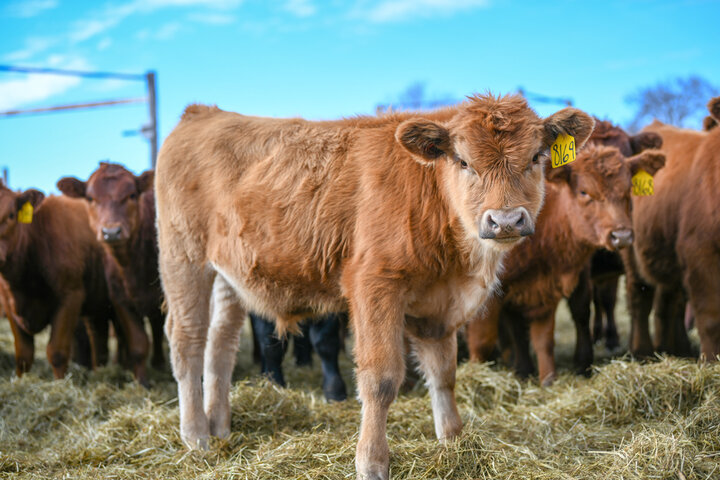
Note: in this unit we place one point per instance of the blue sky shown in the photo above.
(321, 60)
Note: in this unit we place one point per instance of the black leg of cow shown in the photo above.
(98, 328)
(325, 338)
(272, 348)
(257, 353)
(157, 323)
(607, 295)
(82, 350)
(520, 335)
(597, 325)
(639, 297)
(579, 303)
(302, 349)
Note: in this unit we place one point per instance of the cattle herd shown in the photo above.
(424, 227)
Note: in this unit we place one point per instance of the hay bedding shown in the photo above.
(659, 420)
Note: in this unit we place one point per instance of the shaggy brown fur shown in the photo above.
(587, 206)
(381, 216)
(653, 269)
(58, 274)
(677, 243)
(122, 214)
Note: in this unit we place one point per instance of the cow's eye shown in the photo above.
(536, 158)
(11, 216)
(90, 199)
(133, 196)
(463, 164)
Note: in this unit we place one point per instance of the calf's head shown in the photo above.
(113, 193)
(606, 133)
(10, 205)
(599, 185)
(490, 156)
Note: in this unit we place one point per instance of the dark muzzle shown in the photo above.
(621, 238)
(112, 234)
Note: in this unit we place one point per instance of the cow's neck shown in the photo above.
(555, 234)
(20, 253)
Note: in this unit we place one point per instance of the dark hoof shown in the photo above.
(583, 371)
(334, 389)
(612, 343)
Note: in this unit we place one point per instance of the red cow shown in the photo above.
(587, 206)
(598, 282)
(403, 220)
(122, 215)
(677, 247)
(57, 273)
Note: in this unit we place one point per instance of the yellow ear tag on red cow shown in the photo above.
(25, 213)
(642, 183)
(562, 151)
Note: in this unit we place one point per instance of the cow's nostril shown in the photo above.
(521, 221)
(112, 233)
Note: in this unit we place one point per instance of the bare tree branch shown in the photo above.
(679, 101)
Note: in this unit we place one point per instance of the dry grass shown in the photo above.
(659, 420)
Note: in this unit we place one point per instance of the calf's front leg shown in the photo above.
(378, 325)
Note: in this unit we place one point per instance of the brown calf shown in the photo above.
(653, 270)
(122, 215)
(587, 206)
(58, 273)
(677, 244)
(402, 219)
(598, 282)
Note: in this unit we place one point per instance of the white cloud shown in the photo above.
(112, 16)
(300, 8)
(29, 89)
(33, 46)
(92, 26)
(30, 8)
(32, 88)
(398, 10)
(104, 44)
(167, 31)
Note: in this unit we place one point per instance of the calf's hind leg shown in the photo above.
(222, 343)
(437, 362)
(187, 292)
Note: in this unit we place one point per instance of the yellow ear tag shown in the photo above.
(642, 183)
(25, 213)
(562, 151)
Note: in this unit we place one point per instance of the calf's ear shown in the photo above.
(709, 123)
(35, 197)
(144, 182)
(559, 174)
(72, 187)
(645, 140)
(650, 160)
(714, 107)
(424, 139)
(569, 121)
